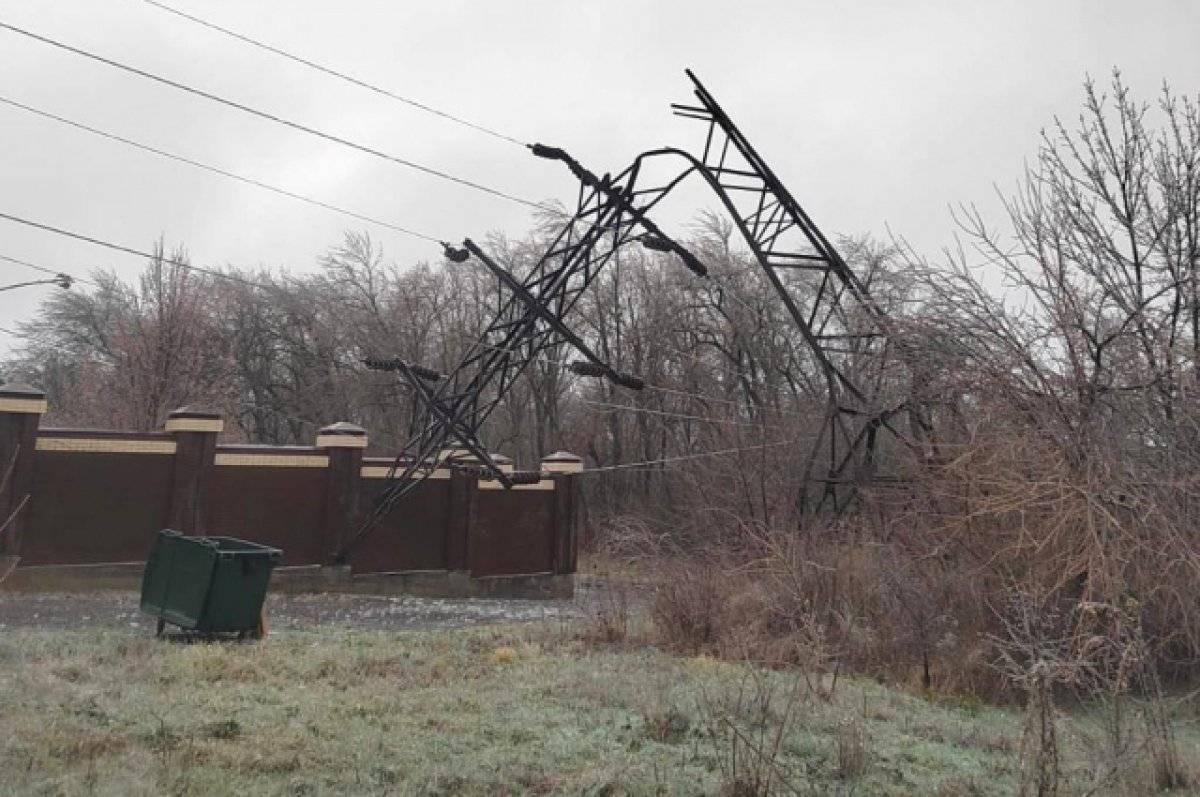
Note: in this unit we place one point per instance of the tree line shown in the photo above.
(1049, 359)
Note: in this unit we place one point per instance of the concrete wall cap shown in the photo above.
(562, 456)
(194, 419)
(342, 435)
(192, 411)
(562, 462)
(343, 427)
(22, 399)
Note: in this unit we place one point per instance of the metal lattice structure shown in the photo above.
(609, 215)
(844, 329)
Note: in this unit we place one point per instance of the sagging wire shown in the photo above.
(678, 415)
(568, 364)
(131, 251)
(334, 73)
(684, 457)
(312, 131)
(51, 271)
(214, 169)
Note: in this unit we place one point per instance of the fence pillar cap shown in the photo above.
(562, 462)
(194, 419)
(21, 398)
(342, 435)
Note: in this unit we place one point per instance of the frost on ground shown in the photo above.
(517, 709)
(119, 609)
(367, 695)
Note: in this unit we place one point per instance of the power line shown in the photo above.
(646, 386)
(210, 272)
(659, 388)
(334, 73)
(678, 415)
(44, 270)
(665, 413)
(213, 169)
(376, 89)
(57, 273)
(671, 390)
(701, 396)
(131, 251)
(265, 115)
(227, 276)
(685, 457)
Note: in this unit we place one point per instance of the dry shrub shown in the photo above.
(959, 787)
(85, 744)
(624, 539)
(851, 753)
(666, 723)
(748, 725)
(823, 599)
(503, 655)
(610, 616)
(690, 605)
(913, 586)
(1019, 512)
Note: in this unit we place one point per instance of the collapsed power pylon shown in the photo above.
(845, 330)
(531, 320)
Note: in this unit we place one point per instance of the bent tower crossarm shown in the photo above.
(610, 214)
(843, 327)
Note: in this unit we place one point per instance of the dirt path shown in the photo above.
(117, 609)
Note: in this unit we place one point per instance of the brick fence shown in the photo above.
(94, 500)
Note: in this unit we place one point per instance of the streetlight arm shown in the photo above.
(61, 280)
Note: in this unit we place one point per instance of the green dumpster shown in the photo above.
(208, 584)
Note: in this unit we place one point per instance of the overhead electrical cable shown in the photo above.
(335, 73)
(312, 131)
(685, 457)
(646, 385)
(334, 139)
(214, 169)
(678, 415)
(131, 251)
(44, 270)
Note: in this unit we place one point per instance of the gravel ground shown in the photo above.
(118, 609)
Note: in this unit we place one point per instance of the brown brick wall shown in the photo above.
(99, 497)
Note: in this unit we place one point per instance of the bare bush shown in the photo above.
(610, 616)
(690, 605)
(851, 753)
(1097, 654)
(748, 726)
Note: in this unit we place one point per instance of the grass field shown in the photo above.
(511, 710)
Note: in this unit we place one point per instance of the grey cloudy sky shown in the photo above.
(874, 113)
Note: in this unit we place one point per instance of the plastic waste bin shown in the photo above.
(208, 584)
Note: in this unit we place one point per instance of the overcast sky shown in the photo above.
(875, 114)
